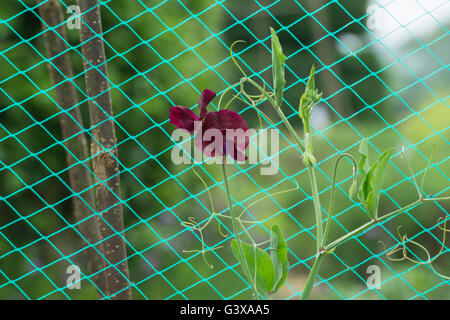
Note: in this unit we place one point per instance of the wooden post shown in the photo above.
(103, 146)
(72, 126)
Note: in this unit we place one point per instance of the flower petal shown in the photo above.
(205, 98)
(224, 119)
(227, 120)
(183, 118)
(235, 150)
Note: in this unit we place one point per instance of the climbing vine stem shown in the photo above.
(235, 226)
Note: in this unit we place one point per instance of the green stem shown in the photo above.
(317, 210)
(312, 277)
(312, 179)
(369, 224)
(290, 128)
(436, 199)
(333, 190)
(315, 268)
(235, 225)
(320, 240)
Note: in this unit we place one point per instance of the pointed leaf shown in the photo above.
(257, 260)
(278, 254)
(370, 189)
(379, 172)
(364, 161)
(278, 59)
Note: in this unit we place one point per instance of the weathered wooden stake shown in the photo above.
(103, 146)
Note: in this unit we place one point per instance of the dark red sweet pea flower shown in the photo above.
(231, 127)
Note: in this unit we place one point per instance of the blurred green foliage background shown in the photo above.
(163, 53)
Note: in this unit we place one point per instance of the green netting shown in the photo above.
(164, 53)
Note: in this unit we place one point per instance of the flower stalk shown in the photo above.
(235, 226)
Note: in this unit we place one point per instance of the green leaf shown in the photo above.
(257, 260)
(309, 98)
(370, 189)
(278, 59)
(278, 254)
(363, 165)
